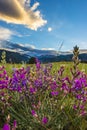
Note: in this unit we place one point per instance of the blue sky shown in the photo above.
(46, 24)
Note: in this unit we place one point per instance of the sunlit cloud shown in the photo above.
(20, 12)
(34, 7)
(5, 34)
(27, 45)
(48, 49)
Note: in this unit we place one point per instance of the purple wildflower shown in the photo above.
(6, 127)
(32, 90)
(83, 113)
(38, 83)
(65, 87)
(19, 89)
(54, 93)
(33, 113)
(54, 85)
(78, 97)
(75, 107)
(37, 64)
(15, 124)
(44, 120)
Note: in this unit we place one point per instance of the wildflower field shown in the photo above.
(44, 96)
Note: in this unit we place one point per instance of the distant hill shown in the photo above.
(14, 57)
(61, 57)
(18, 53)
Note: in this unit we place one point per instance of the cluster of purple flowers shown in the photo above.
(39, 83)
(8, 127)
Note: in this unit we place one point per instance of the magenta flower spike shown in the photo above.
(15, 123)
(6, 127)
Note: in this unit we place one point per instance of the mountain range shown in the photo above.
(17, 53)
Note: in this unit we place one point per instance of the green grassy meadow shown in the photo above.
(55, 66)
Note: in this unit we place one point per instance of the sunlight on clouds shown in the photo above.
(27, 45)
(30, 46)
(48, 49)
(34, 7)
(20, 12)
(5, 34)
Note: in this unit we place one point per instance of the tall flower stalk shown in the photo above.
(76, 61)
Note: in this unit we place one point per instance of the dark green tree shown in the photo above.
(32, 60)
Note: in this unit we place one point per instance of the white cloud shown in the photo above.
(30, 45)
(5, 33)
(48, 49)
(22, 35)
(34, 7)
(81, 44)
(20, 12)
(27, 45)
(49, 29)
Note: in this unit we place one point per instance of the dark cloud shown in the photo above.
(9, 8)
